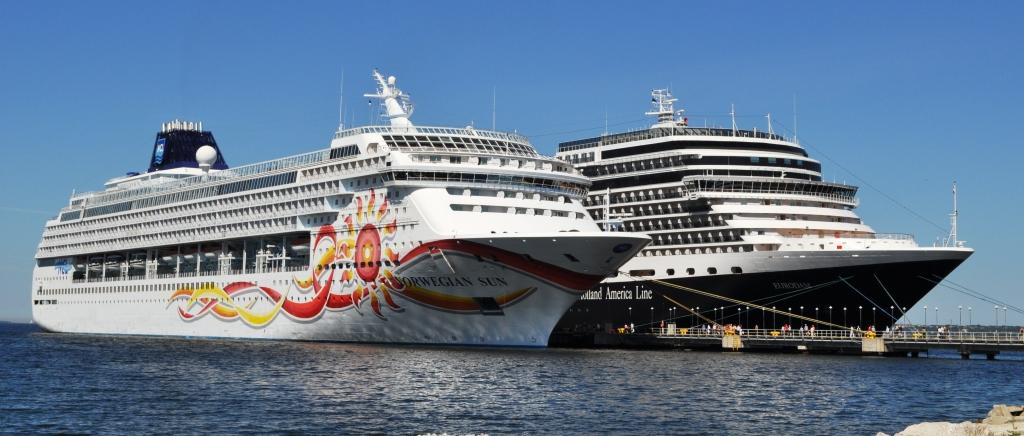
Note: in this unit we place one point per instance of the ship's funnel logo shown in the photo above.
(158, 154)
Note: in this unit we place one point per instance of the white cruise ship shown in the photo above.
(395, 233)
(743, 214)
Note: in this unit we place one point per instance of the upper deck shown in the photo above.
(662, 132)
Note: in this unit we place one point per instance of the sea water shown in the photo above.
(107, 384)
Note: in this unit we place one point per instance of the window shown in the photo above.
(712, 270)
(737, 270)
(641, 272)
(670, 272)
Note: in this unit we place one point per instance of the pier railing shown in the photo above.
(923, 337)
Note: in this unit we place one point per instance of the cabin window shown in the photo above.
(641, 272)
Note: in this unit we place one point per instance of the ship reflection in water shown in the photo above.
(74, 383)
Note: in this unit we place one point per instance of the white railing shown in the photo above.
(661, 132)
(894, 236)
(506, 136)
(903, 336)
(191, 273)
(102, 197)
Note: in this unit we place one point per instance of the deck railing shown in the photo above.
(903, 336)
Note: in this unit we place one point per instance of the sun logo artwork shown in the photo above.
(354, 265)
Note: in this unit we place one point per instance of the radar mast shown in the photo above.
(663, 108)
(397, 105)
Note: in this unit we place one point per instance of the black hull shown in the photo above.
(857, 288)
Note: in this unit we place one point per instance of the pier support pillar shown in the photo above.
(914, 354)
(990, 356)
(965, 355)
(873, 345)
(732, 342)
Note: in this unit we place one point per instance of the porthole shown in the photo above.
(670, 272)
(712, 270)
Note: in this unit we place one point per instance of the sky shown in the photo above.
(900, 98)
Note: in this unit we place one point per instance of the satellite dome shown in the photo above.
(206, 156)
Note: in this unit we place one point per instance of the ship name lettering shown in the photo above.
(452, 281)
(618, 295)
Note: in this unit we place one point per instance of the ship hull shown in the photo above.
(887, 281)
(452, 292)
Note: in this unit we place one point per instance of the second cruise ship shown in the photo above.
(742, 214)
(394, 233)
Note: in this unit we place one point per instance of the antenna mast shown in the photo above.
(732, 114)
(951, 240)
(795, 140)
(341, 102)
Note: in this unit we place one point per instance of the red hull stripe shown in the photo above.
(551, 273)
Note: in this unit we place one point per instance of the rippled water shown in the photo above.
(75, 383)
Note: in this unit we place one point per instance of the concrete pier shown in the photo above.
(990, 344)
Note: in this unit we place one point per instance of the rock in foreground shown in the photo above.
(1001, 420)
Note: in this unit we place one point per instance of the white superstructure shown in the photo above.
(746, 214)
(395, 233)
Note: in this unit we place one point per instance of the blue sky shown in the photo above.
(906, 96)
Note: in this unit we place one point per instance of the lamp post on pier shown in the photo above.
(815, 314)
(845, 323)
(936, 315)
(830, 314)
(873, 321)
(860, 316)
(926, 315)
(960, 311)
(970, 311)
